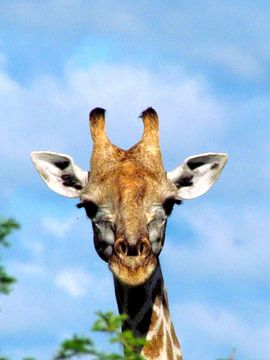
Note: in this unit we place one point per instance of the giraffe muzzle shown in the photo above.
(132, 264)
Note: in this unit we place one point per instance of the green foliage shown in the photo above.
(6, 227)
(106, 323)
(6, 281)
(76, 346)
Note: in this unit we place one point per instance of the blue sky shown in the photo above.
(204, 66)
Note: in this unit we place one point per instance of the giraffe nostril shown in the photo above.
(143, 247)
(124, 248)
(121, 247)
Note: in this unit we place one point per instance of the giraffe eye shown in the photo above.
(90, 208)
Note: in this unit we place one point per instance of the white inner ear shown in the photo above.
(197, 174)
(60, 172)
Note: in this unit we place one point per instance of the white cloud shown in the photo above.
(33, 246)
(183, 102)
(236, 60)
(35, 307)
(213, 329)
(57, 227)
(26, 268)
(75, 281)
(232, 36)
(227, 243)
(78, 282)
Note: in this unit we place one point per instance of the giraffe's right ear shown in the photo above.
(60, 173)
(197, 174)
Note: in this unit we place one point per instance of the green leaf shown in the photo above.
(6, 227)
(108, 322)
(5, 282)
(76, 346)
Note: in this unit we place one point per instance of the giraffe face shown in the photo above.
(127, 194)
(129, 205)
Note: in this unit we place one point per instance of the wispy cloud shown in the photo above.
(76, 281)
(228, 243)
(234, 36)
(59, 228)
(34, 247)
(236, 61)
(27, 268)
(212, 329)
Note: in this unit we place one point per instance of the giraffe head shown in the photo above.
(127, 194)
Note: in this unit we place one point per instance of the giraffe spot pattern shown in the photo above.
(152, 350)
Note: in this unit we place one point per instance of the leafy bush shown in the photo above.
(110, 324)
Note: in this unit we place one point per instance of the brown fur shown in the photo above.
(153, 349)
(127, 183)
(169, 348)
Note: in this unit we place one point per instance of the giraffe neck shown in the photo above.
(148, 316)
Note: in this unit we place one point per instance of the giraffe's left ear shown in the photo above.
(197, 174)
(60, 173)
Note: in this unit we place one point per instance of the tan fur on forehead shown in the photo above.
(127, 182)
(146, 151)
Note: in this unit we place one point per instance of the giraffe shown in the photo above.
(128, 196)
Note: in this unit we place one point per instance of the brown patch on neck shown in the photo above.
(154, 316)
(153, 349)
(172, 341)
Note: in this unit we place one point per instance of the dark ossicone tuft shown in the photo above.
(97, 112)
(149, 111)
